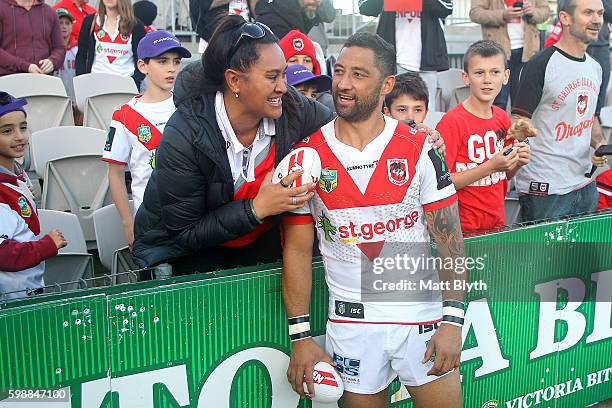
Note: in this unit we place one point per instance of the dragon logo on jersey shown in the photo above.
(328, 228)
(144, 133)
(397, 170)
(329, 180)
(582, 103)
(24, 207)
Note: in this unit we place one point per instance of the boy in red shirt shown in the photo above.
(479, 154)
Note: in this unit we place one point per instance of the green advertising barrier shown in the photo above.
(220, 340)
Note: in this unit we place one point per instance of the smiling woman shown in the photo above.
(210, 202)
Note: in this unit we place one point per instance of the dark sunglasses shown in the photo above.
(254, 30)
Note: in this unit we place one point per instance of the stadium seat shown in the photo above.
(109, 233)
(433, 118)
(77, 184)
(123, 262)
(447, 82)
(48, 103)
(68, 224)
(68, 267)
(53, 143)
(98, 95)
(458, 95)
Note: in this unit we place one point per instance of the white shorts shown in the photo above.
(370, 356)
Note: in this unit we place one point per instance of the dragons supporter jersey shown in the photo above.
(559, 93)
(367, 204)
(135, 131)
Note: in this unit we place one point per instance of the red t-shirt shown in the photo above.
(471, 141)
(78, 14)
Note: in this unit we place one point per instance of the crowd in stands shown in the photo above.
(201, 146)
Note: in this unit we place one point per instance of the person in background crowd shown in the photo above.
(30, 38)
(479, 153)
(558, 92)
(136, 127)
(210, 203)
(421, 35)
(604, 187)
(206, 14)
(78, 9)
(513, 25)
(108, 41)
(309, 85)
(67, 71)
(146, 12)
(23, 249)
(408, 100)
(299, 49)
(598, 49)
(327, 13)
(283, 16)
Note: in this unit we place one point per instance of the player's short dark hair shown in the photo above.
(484, 49)
(410, 84)
(569, 6)
(383, 51)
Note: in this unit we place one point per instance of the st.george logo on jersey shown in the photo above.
(144, 133)
(397, 170)
(582, 103)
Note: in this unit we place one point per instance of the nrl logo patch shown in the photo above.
(144, 133)
(24, 207)
(397, 170)
(329, 180)
(101, 33)
(298, 44)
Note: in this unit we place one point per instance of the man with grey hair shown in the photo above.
(558, 91)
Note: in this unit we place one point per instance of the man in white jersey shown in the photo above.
(558, 91)
(381, 190)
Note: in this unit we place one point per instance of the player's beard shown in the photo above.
(363, 107)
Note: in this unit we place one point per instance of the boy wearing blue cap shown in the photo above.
(23, 249)
(308, 84)
(136, 128)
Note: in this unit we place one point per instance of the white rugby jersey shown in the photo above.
(367, 204)
(114, 53)
(134, 133)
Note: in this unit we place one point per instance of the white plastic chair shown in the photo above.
(77, 184)
(98, 95)
(433, 118)
(50, 144)
(68, 224)
(447, 82)
(123, 262)
(458, 95)
(67, 267)
(109, 233)
(48, 103)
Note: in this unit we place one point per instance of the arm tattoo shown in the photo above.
(445, 227)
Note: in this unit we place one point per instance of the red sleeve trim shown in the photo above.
(297, 220)
(113, 161)
(17, 256)
(436, 205)
(522, 112)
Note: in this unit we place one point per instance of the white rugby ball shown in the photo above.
(305, 158)
(328, 385)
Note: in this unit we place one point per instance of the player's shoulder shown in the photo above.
(317, 139)
(542, 57)
(121, 113)
(500, 114)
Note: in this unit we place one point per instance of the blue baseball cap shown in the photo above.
(158, 42)
(299, 74)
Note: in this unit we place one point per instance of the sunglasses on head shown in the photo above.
(254, 30)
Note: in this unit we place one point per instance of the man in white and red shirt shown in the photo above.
(382, 191)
